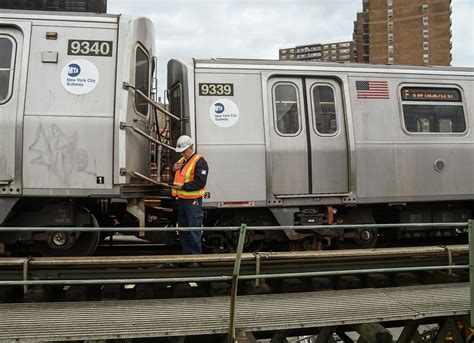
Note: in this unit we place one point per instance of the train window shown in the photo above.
(177, 128)
(176, 104)
(142, 80)
(285, 100)
(7, 50)
(325, 120)
(433, 110)
(434, 118)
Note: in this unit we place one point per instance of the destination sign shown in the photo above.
(431, 94)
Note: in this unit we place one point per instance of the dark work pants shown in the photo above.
(190, 215)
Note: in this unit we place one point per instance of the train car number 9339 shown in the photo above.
(210, 89)
(89, 48)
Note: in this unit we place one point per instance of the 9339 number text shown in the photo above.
(211, 89)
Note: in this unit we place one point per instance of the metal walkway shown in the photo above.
(199, 316)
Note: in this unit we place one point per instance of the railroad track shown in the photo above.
(177, 266)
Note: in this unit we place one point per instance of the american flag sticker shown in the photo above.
(372, 90)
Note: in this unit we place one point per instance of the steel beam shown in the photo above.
(449, 326)
(373, 333)
(242, 336)
(410, 329)
(279, 337)
(326, 334)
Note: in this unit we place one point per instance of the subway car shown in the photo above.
(68, 109)
(298, 143)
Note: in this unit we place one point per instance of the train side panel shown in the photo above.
(68, 119)
(230, 134)
(396, 165)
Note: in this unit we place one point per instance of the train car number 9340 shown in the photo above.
(210, 89)
(89, 48)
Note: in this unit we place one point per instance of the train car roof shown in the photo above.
(59, 16)
(263, 64)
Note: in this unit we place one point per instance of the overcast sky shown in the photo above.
(258, 28)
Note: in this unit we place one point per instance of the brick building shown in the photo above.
(416, 32)
(335, 52)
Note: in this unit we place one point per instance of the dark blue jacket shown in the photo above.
(201, 170)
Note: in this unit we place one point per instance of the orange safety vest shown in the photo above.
(185, 175)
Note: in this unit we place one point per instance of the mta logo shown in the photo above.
(73, 70)
(219, 108)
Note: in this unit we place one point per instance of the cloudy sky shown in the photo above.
(258, 28)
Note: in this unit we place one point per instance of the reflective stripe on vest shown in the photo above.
(185, 175)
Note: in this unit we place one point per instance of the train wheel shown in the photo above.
(364, 238)
(68, 244)
(73, 243)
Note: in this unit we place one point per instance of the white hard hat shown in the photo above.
(184, 142)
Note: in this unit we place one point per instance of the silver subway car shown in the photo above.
(312, 143)
(65, 158)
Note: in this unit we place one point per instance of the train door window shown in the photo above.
(433, 110)
(142, 80)
(286, 109)
(176, 105)
(324, 105)
(177, 108)
(7, 60)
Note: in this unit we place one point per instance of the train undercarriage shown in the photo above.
(107, 213)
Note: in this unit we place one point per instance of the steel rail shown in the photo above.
(219, 269)
(226, 278)
(233, 228)
(352, 272)
(230, 257)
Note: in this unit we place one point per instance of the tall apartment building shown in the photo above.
(328, 52)
(416, 32)
(361, 34)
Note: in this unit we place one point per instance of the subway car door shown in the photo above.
(11, 44)
(288, 161)
(327, 137)
(308, 143)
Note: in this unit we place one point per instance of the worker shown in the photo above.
(189, 187)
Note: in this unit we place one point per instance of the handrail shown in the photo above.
(150, 180)
(124, 125)
(235, 282)
(462, 225)
(127, 86)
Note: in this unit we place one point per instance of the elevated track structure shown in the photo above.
(369, 311)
